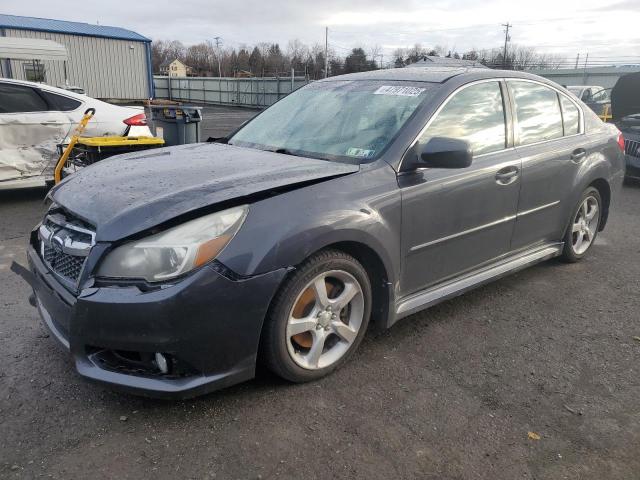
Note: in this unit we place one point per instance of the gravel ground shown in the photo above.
(449, 393)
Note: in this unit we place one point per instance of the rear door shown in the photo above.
(454, 220)
(29, 132)
(549, 138)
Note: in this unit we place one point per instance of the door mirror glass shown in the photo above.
(445, 152)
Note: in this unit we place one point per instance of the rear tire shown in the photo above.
(583, 226)
(308, 333)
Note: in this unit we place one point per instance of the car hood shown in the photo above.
(625, 96)
(128, 194)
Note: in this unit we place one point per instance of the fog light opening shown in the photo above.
(161, 362)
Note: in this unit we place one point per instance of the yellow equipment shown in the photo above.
(606, 114)
(88, 150)
(57, 173)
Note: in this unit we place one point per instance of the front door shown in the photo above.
(454, 220)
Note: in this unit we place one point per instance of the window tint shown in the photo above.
(60, 102)
(16, 98)
(475, 114)
(537, 112)
(571, 116)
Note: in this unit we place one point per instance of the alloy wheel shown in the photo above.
(325, 320)
(585, 225)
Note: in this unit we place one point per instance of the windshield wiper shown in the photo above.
(284, 151)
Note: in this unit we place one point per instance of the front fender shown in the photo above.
(282, 231)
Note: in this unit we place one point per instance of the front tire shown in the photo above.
(583, 226)
(318, 318)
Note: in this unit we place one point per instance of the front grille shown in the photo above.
(65, 265)
(632, 148)
(64, 246)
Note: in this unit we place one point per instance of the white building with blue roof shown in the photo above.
(107, 62)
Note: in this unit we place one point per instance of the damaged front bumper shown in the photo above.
(206, 327)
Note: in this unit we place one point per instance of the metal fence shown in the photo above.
(244, 92)
(603, 76)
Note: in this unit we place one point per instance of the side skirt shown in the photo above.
(431, 296)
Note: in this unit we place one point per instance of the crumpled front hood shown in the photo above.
(130, 193)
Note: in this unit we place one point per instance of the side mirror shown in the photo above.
(445, 152)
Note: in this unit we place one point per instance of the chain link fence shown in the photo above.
(258, 92)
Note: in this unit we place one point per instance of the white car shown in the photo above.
(36, 118)
(585, 92)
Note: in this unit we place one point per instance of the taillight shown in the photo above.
(139, 120)
(621, 141)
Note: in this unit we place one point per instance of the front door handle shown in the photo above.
(578, 155)
(507, 175)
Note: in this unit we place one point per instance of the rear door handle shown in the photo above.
(578, 154)
(507, 175)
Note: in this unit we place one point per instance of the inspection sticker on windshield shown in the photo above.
(360, 152)
(399, 91)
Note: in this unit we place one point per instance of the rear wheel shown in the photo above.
(583, 227)
(318, 318)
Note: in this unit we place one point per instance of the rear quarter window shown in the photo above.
(570, 116)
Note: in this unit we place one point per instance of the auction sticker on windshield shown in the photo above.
(399, 91)
(360, 152)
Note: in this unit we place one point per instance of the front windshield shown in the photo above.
(335, 120)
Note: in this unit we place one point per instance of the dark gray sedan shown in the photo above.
(356, 200)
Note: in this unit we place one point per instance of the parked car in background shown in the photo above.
(600, 103)
(625, 109)
(36, 118)
(357, 199)
(584, 92)
(72, 88)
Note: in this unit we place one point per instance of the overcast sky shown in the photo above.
(603, 28)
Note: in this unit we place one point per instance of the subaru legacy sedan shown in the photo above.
(355, 201)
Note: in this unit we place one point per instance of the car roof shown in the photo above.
(43, 86)
(584, 86)
(433, 74)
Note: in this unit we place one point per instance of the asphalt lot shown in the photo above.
(450, 393)
(218, 121)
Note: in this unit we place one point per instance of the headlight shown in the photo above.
(175, 251)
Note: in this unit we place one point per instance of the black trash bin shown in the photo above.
(176, 124)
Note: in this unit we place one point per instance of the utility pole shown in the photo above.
(326, 52)
(218, 45)
(577, 60)
(506, 39)
(584, 76)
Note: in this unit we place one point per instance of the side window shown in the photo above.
(537, 112)
(20, 99)
(570, 115)
(60, 102)
(475, 114)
